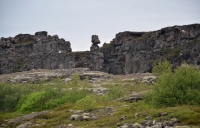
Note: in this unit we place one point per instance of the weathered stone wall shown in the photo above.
(132, 52)
(128, 52)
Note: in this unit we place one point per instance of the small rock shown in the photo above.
(86, 114)
(118, 125)
(25, 125)
(157, 125)
(62, 126)
(86, 118)
(181, 127)
(124, 126)
(163, 113)
(122, 118)
(148, 79)
(168, 127)
(173, 121)
(94, 117)
(3, 125)
(75, 117)
(136, 125)
(164, 124)
(70, 126)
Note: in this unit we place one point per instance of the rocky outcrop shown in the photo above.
(127, 53)
(95, 41)
(27, 52)
(133, 52)
(92, 59)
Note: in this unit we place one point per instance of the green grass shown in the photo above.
(60, 98)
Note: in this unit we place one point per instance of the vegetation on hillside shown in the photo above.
(176, 93)
(180, 87)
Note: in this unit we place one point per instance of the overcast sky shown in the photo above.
(77, 20)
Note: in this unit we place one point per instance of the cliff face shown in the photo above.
(26, 52)
(132, 52)
(129, 52)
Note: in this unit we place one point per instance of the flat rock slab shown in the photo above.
(38, 75)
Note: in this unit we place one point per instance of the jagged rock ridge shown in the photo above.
(129, 52)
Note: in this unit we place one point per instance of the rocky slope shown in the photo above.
(129, 52)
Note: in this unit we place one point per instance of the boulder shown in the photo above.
(75, 117)
(148, 79)
(95, 40)
(56, 37)
(41, 34)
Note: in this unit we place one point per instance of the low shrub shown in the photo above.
(178, 88)
(115, 91)
(89, 103)
(51, 97)
(10, 95)
(162, 67)
(37, 100)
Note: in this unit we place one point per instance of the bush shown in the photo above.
(36, 97)
(49, 97)
(115, 91)
(75, 80)
(10, 95)
(38, 100)
(162, 67)
(179, 88)
(71, 96)
(89, 103)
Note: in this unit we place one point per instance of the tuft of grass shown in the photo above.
(177, 51)
(115, 92)
(89, 103)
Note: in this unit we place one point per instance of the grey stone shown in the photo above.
(164, 113)
(75, 117)
(86, 118)
(25, 125)
(122, 118)
(41, 34)
(136, 125)
(95, 40)
(127, 53)
(148, 79)
(181, 127)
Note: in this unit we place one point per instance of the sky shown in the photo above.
(77, 20)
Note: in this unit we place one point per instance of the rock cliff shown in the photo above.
(128, 52)
(132, 52)
(28, 52)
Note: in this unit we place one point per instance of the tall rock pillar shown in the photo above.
(97, 57)
(95, 41)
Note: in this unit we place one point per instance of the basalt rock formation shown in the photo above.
(128, 52)
(133, 52)
(27, 52)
